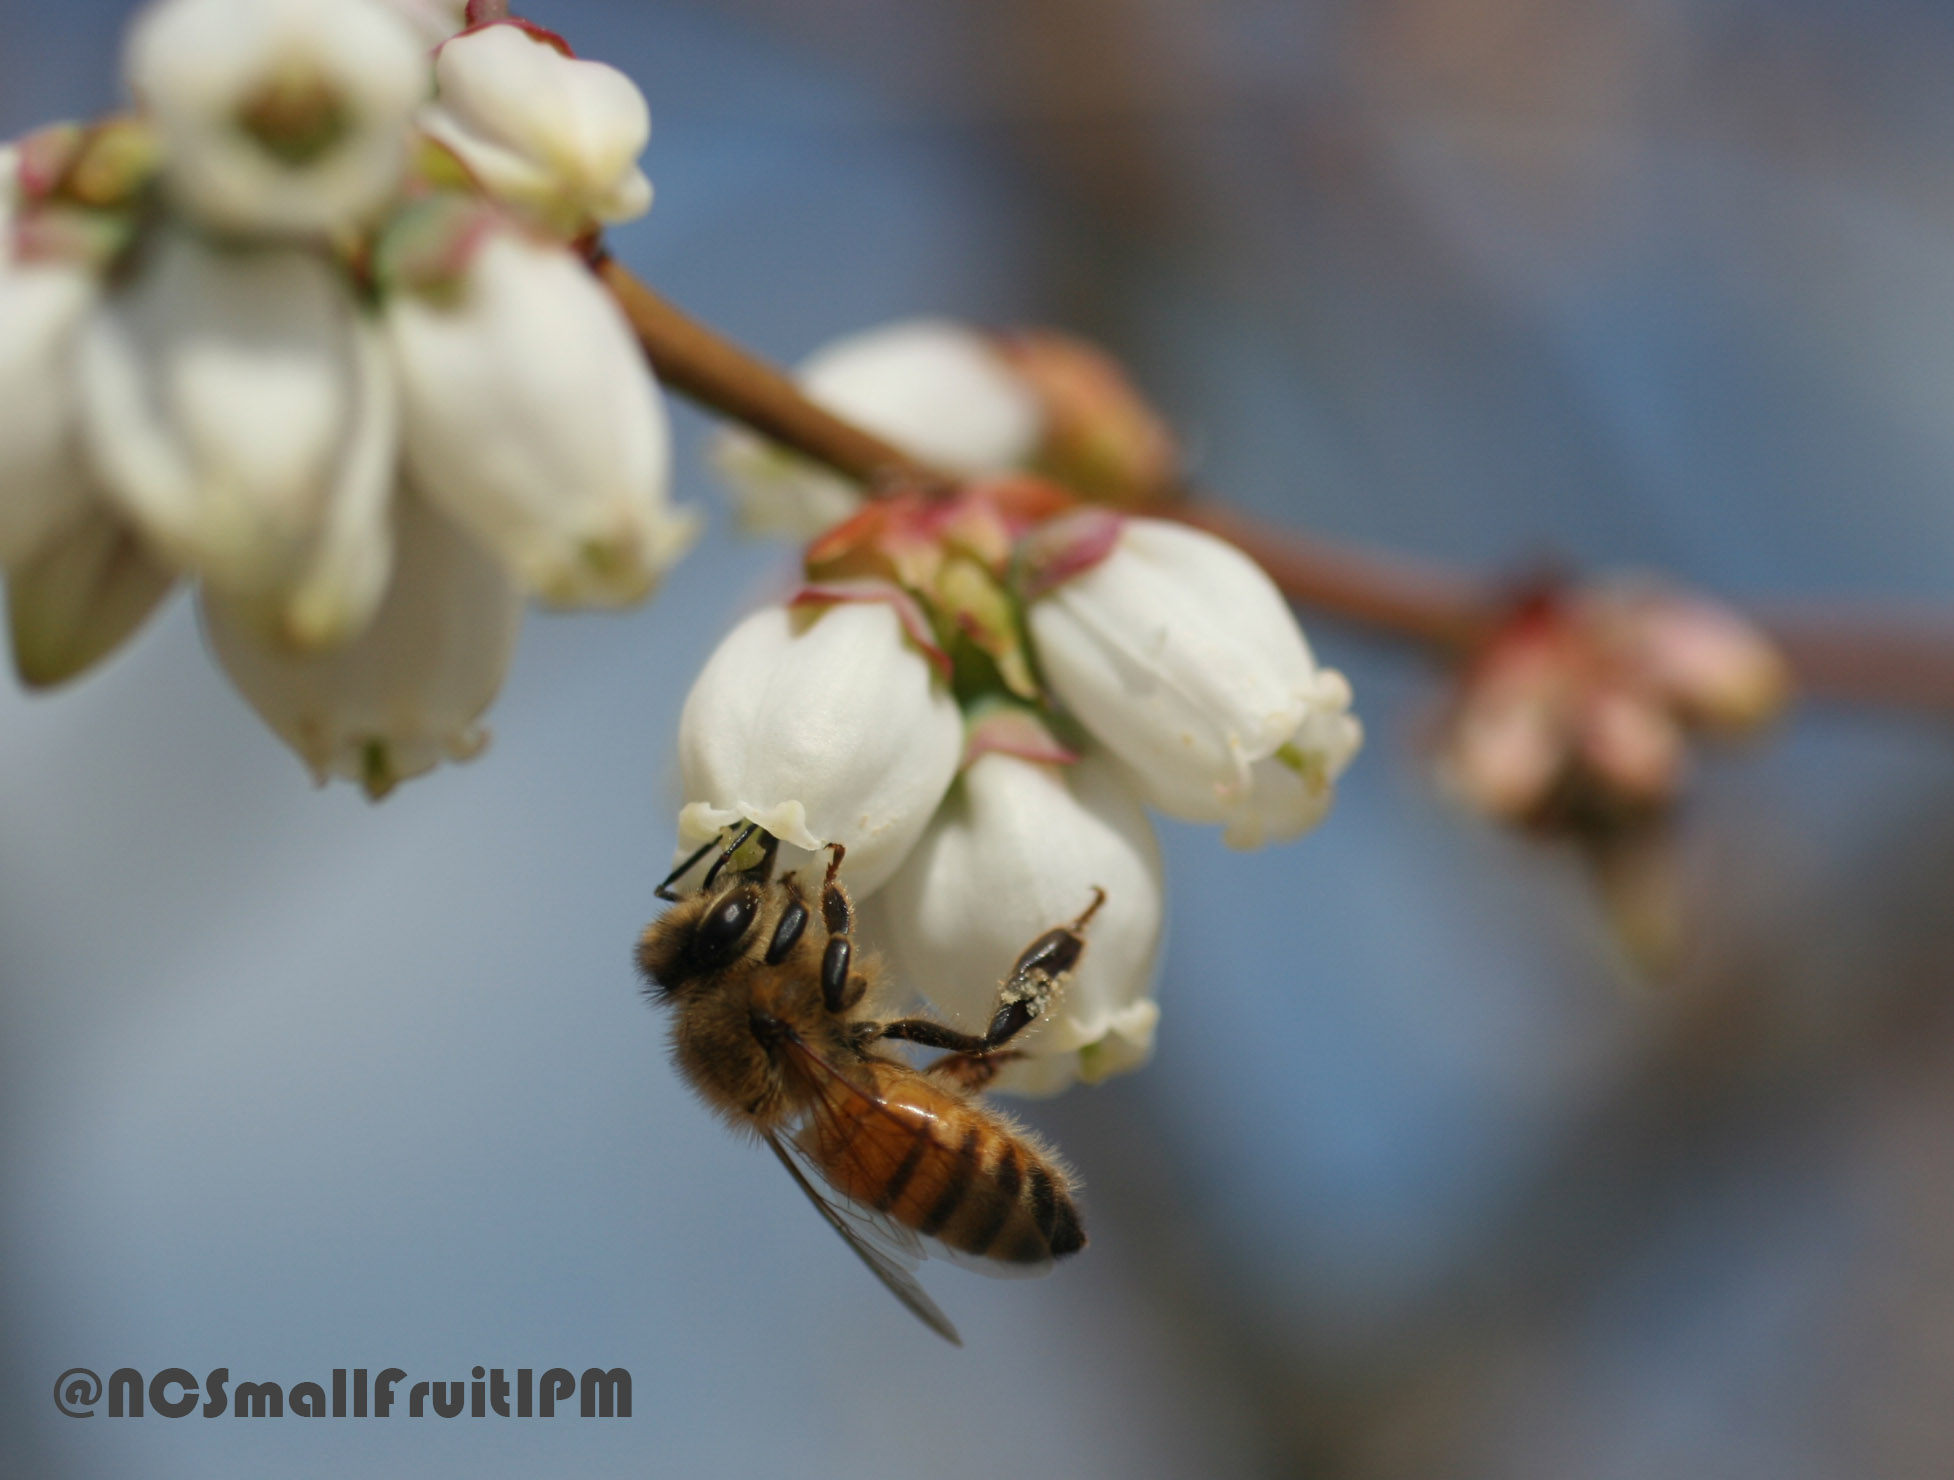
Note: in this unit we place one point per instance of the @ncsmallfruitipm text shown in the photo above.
(176, 1392)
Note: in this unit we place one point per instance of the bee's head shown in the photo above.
(700, 935)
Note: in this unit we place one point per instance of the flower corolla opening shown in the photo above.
(278, 116)
(823, 724)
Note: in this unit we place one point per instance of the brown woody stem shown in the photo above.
(703, 364)
(1866, 656)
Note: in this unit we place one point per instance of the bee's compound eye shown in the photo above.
(720, 932)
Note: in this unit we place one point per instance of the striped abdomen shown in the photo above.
(946, 1168)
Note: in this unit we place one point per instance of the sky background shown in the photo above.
(1426, 1178)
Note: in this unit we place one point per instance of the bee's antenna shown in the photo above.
(664, 890)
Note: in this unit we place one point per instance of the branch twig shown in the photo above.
(1890, 658)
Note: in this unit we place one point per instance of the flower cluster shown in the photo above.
(310, 327)
(979, 693)
(1575, 717)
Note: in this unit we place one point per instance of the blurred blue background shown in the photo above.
(1426, 1180)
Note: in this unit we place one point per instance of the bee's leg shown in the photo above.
(1041, 970)
(972, 1072)
(841, 989)
(664, 890)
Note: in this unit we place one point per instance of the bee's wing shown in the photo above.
(891, 1259)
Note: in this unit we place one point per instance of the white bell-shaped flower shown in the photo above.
(241, 410)
(1180, 656)
(533, 420)
(81, 593)
(554, 136)
(932, 387)
(43, 484)
(409, 692)
(1288, 793)
(1017, 848)
(823, 725)
(279, 116)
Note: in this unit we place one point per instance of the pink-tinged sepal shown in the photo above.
(1000, 727)
(915, 621)
(1062, 548)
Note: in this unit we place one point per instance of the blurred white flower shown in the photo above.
(434, 21)
(410, 690)
(1017, 848)
(533, 420)
(823, 725)
(550, 134)
(1180, 656)
(79, 595)
(934, 388)
(42, 305)
(240, 408)
(279, 116)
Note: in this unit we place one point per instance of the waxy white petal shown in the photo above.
(823, 725)
(79, 596)
(280, 116)
(1017, 848)
(1180, 656)
(934, 388)
(532, 419)
(410, 690)
(553, 135)
(240, 410)
(1288, 793)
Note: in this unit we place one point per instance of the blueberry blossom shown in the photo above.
(410, 690)
(237, 322)
(1179, 655)
(539, 129)
(934, 388)
(279, 116)
(823, 723)
(1017, 847)
(532, 419)
(239, 407)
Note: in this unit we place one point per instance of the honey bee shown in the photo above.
(772, 1028)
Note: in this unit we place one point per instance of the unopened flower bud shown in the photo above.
(1101, 439)
(280, 116)
(936, 389)
(532, 419)
(1180, 656)
(1716, 668)
(409, 692)
(1017, 848)
(823, 724)
(542, 131)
